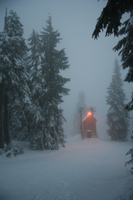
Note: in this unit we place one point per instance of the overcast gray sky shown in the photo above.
(91, 61)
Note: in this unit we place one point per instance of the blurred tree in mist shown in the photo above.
(80, 111)
(117, 116)
(110, 20)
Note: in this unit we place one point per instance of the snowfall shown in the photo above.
(89, 169)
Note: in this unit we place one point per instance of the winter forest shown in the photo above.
(66, 100)
(31, 85)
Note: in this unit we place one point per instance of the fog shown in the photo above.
(91, 61)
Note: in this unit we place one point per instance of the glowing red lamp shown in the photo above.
(89, 113)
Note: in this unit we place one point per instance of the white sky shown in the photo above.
(91, 61)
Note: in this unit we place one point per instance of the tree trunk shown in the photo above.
(1, 116)
(6, 119)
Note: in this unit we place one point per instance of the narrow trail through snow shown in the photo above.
(91, 169)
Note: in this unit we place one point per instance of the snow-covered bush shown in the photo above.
(17, 150)
(10, 149)
(7, 148)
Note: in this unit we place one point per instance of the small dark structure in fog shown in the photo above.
(89, 125)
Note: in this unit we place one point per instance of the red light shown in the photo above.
(89, 113)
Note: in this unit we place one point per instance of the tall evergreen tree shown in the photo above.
(117, 116)
(13, 77)
(36, 83)
(34, 71)
(52, 89)
(53, 61)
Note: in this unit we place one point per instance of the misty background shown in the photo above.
(91, 61)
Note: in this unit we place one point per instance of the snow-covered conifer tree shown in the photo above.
(13, 77)
(117, 116)
(52, 62)
(46, 84)
(36, 83)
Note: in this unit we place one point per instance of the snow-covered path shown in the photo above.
(91, 169)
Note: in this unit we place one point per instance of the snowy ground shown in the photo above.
(91, 169)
